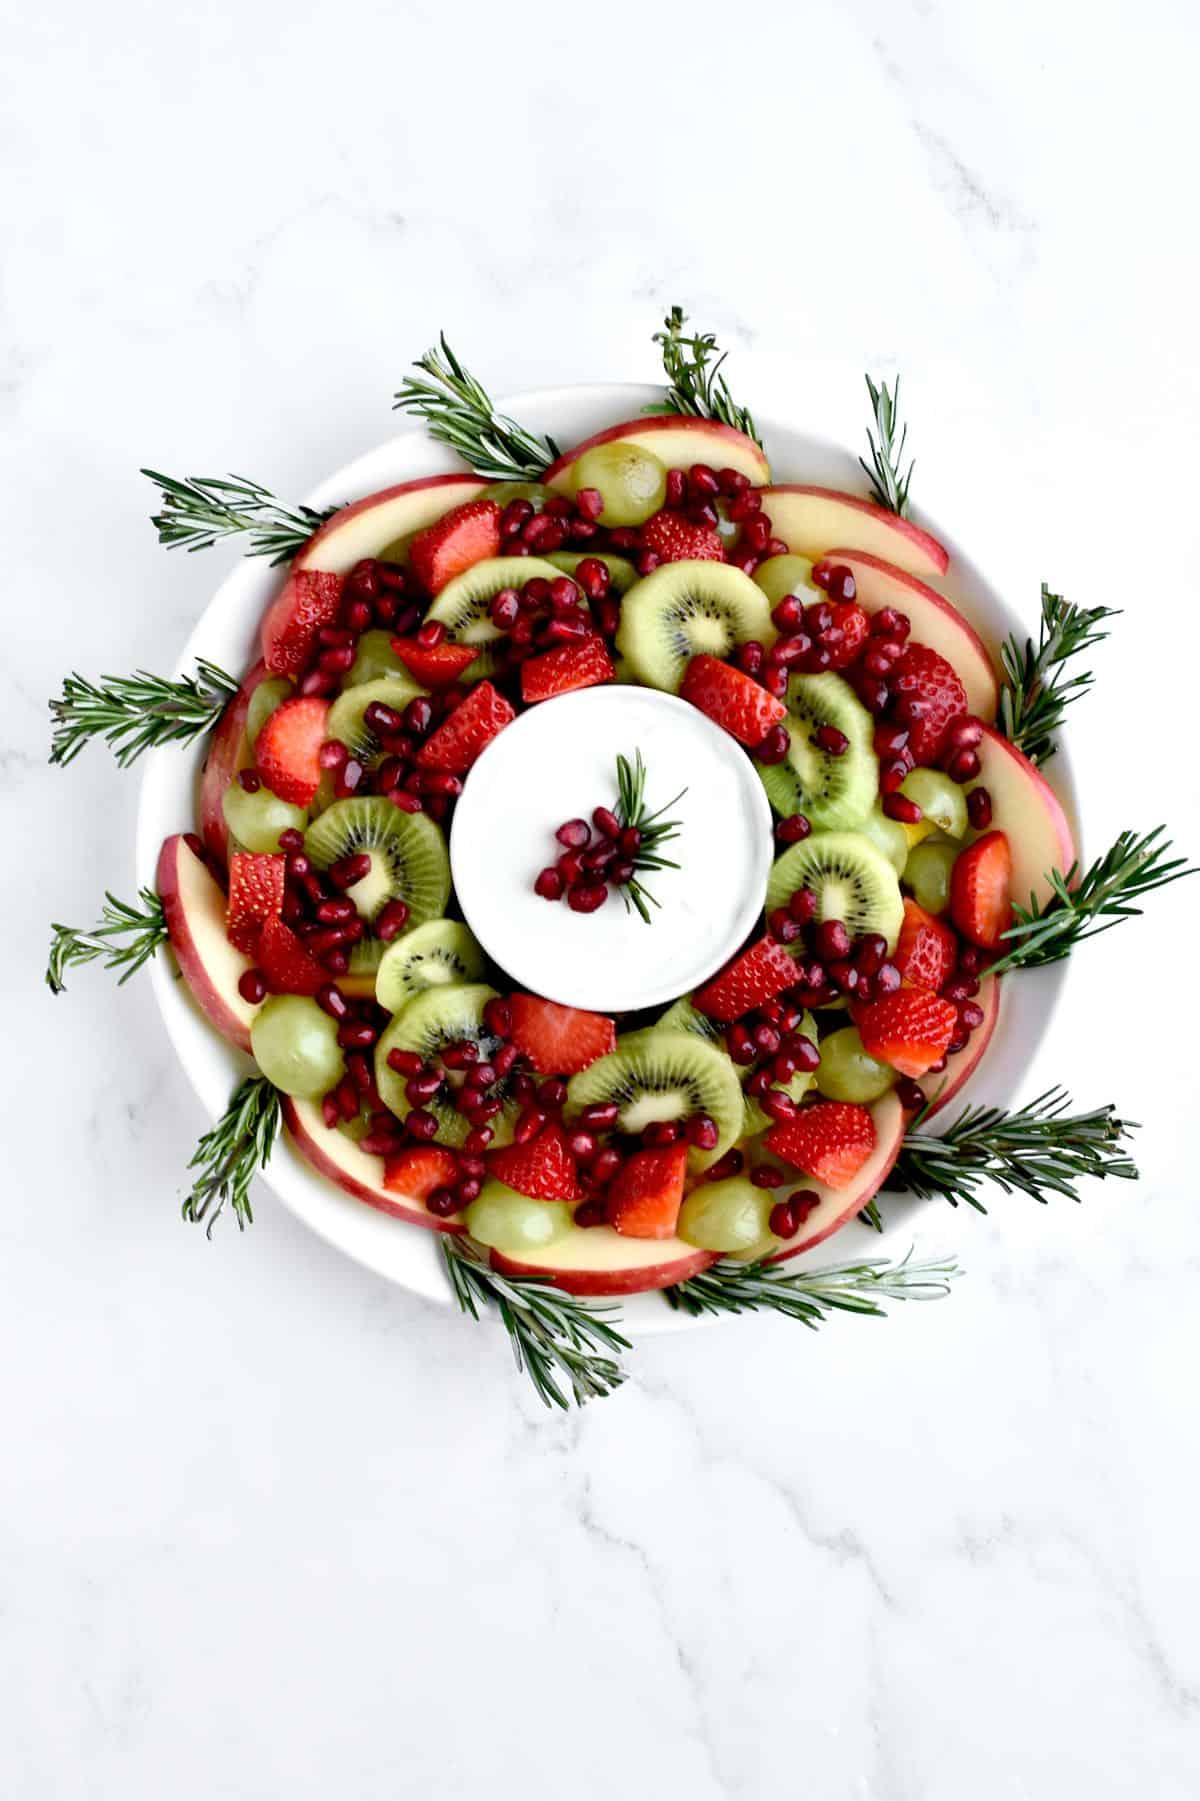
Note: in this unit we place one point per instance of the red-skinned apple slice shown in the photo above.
(1027, 810)
(228, 750)
(193, 905)
(598, 1261)
(366, 528)
(678, 442)
(934, 621)
(838, 1205)
(964, 1063)
(338, 1158)
(811, 521)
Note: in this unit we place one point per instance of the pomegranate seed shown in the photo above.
(331, 1000)
(661, 1133)
(418, 716)
(333, 912)
(607, 822)
(739, 1044)
(898, 806)
(785, 653)
(889, 623)
(870, 952)
(405, 1063)
(392, 920)
(549, 884)
(805, 1201)
(431, 634)
(482, 1111)
(574, 834)
(890, 740)
(767, 1175)
(964, 766)
(359, 1072)
(841, 584)
(892, 772)
(803, 905)
(622, 872)
(775, 746)
(407, 803)
(497, 1017)
(483, 1075)
(979, 808)
(964, 733)
(515, 515)
(648, 562)
(348, 777)
(909, 1094)
(970, 1016)
(356, 1035)
(382, 720)
(789, 614)
(833, 940)
(348, 870)
(792, 829)
(421, 1088)
(528, 1125)
(421, 1124)
(252, 986)
(703, 480)
(745, 505)
(887, 979)
(586, 897)
(291, 840)
(331, 1113)
(504, 609)
(250, 780)
(756, 532)
(597, 859)
(336, 662)
(461, 1054)
(828, 738)
(701, 1131)
(783, 927)
(477, 1140)
(782, 1220)
(778, 1105)
(775, 680)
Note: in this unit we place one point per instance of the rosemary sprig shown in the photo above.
(889, 483)
(811, 1295)
(125, 938)
(555, 1338)
(1038, 1150)
(458, 412)
(694, 389)
(1083, 906)
(1037, 691)
(655, 830)
(133, 713)
(196, 513)
(229, 1156)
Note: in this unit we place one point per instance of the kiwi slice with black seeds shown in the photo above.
(682, 1016)
(434, 955)
(450, 1014)
(663, 1074)
(852, 880)
(409, 862)
(463, 605)
(682, 610)
(347, 715)
(830, 791)
(621, 572)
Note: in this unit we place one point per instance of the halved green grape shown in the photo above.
(266, 697)
(375, 660)
(257, 819)
(511, 1223)
(503, 492)
(848, 1072)
(780, 576)
(296, 1046)
(725, 1216)
(632, 482)
(942, 801)
(927, 873)
(887, 835)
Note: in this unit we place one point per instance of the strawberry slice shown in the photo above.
(436, 666)
(981, 890)
(910, 1029)
(255, 895)
(674, 539)
(759, 974)
(569, 666)
(544, 1168)
(829, 1141)
(418, 1172)
(929, 687)
(463, 536)
(287, 750)
(734, 700)
(284, 961)
(854, 626)
(647, 1193)
(309, 599)
(559, 1041)
(472, 725)
(925, 952)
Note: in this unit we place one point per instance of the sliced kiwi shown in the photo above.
(462, 606)
(409, 862)
(621, 572)
(347, 715)
(450, 1014)
(665, 1075)
(683, 609)
(435, 954)
(374, 659)
(830, 791)
(852, 880)
(682, 1016)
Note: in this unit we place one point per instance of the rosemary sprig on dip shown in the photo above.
(201, 510)
(695, 388)
(653, 829)
(134, 713)
(125, 938)
(889, 483)
(1037, 690)
(458, 411)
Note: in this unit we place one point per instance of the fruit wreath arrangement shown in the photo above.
(381, 906)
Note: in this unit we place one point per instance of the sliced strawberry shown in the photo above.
(981, 890)
(926, 952)
(418, 1172)
(473, 724)
(674, 539)
(759, 974)
(544, 1168)
(854, 626)
(910, 1029)
(734, 700)
(559, 1041)
(437, 666)
(569, 666)
(255, 895)
(284, 961)
(925, 684)
(463, 536)
(647, 1193)
(829, 1141)
(309, 599)
(287, 750)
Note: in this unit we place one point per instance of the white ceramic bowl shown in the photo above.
(227, 633)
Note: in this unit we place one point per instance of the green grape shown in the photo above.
(848, 1072)
(940, 800)
(503, 492)
(374, 659)
(725, 1216)
(780, 576)
(266, 697)
(887, 835)
(295, 1045)
(631, 481)
(927, 874)
(512, 1223)
(257, 819)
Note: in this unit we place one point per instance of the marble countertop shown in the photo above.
(269, 1526)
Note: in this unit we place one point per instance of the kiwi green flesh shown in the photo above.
(685, 609)
(375, 661)
(462, 606)
(621, 572)
(434, 955)
(448, 1014)
(661, 1074)
(682, 1016)
(347, 721)
(830, 791)
(852, 880)
(409, 862)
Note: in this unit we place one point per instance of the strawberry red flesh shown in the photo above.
(284, 961)
(463, 537)
(436, 666)
(911, 1030)
(256, 885)
(418, 1172)
(926, 951)
(543, 1168)
(733, 700)
(829, 1141)
(759, 974)
(287, 752)
(647, 1192)
(570, 666)
(557, 1040)
(981, 890)
(675, 539)
(309, 599)
(466, 731)
(926, 685)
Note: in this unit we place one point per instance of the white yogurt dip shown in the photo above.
(557, 762)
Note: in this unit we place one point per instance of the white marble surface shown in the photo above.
(268, 1527)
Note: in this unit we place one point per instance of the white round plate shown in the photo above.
(227, 633)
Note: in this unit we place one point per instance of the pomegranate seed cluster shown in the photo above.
(593, 858)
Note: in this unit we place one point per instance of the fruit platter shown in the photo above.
(591, 844)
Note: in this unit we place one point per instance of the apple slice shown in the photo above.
(838, 1205)
(964, 1063)
(678, 442)
(1027, 810)
(366, 528)
(934, 621)
(228, 751)
(812, 520)
(337, 1157)
(597, 1261)
(193, 905)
